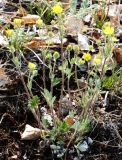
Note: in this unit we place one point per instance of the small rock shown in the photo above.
(89, 141)
(83, 67)
(83, 147)
(83, 41)
(87, 18)
(30, 133)
(14, 157)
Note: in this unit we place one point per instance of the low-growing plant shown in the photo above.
(62, 68)
(17, 39)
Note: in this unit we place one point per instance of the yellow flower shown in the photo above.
(97, 61)
(87, 56)
(31, 66)
(39, 22)
(9, 32)
(57, 9)
(81, 61)
(17, 22)
(108, 29)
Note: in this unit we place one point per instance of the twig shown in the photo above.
(104, 143)
(44, 81)
(24, 84)
(73, 136)
(105, 99)
(62, 58)
(118, 97)
(37, 56)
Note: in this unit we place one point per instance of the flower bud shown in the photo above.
(56, 55)
(69, 47)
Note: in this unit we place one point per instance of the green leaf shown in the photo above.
(85, 4)
(107, 82)
(64, 66)
(73, 6)
(68, 72)
(48, 97)
(82, 125)
(33, 103)
(56, 81)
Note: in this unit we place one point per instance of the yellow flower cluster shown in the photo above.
(17, 22)
(9, 32)
(57, 9)
(87, 56)
(31, 66)
(108, 29)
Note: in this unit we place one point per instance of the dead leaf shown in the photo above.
(114, 20)
(66, 4)
(69, 120)
(41, 43)
(4, 79)
(96, 34)
(101, 110)
(36, 43)
(66, 101)
(82, 83)
(30, 19)
(101, 14)
(117, 54)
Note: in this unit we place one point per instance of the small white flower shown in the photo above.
(48, 118)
